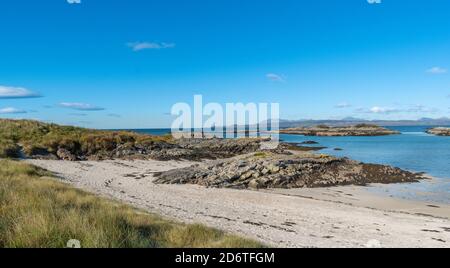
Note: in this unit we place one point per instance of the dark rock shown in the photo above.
(64, 154)
(439, 131)
(281, 171)
(298, 147)
(358, 130)
(309, 142)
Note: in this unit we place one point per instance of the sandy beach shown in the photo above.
(327, 217)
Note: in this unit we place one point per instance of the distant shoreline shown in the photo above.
(165, 131)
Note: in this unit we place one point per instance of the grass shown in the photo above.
(37, 211)
(261, 155)
(40, 138)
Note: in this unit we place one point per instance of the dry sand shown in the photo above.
(327, 217)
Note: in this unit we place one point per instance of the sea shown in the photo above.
(412, 150)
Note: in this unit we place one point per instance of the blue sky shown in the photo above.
(123, 64)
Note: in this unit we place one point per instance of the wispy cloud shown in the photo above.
(343, 105)
(275, 77)
(16, 93)
(138, 46)
(81, 106)
(378, 110)
(383, 110)
(77, 114)
(11, 110)
(437, 70)
(420, 109)
(114, 115)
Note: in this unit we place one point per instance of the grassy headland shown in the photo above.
(39, 212)
(32, 139)
(36, 138)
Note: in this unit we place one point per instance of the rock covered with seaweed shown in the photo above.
(357, 130)
(271, 170)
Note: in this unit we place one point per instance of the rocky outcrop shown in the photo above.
(182, 149)
(64, 154)
(268, 170)
(222, 148)
(357, 130)
(439, 131)
(309, 142)
(299, 147)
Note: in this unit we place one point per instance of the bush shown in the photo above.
(9, 149)
(366, 126)
(323, 126)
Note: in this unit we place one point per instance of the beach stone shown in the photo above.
(253, 184)
(64, 154)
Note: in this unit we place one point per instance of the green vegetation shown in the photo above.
(261, 155)
(36, 138)
(366, 126)
(39, 212)
(323, 126)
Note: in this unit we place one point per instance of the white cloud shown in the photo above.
(392, 110)
(16, 93)
(74, 1)
(343, 105)
(11, 110)
(275, 77)
(421, 109)
(378, 110)
(81, 106)
(115, 115)
(437, 70)
(138, 46)
(383, 110)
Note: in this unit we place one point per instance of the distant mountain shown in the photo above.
(431, 122)
(444, 121)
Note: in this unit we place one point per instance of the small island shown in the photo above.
(439, 131)
(329, 131)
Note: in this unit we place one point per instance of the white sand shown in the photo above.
(330, 217)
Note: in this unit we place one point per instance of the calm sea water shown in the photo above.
(413, 150)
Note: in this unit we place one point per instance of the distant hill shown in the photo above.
(352, 121)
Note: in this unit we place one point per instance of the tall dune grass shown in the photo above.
(37, 211)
